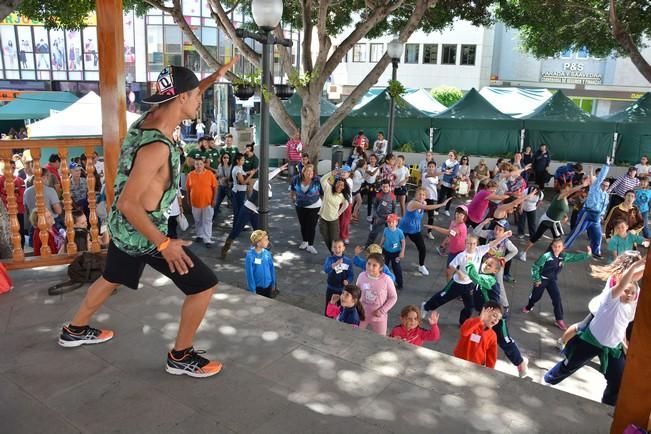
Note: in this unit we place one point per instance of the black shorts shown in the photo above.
(400, 191)
(126, 270)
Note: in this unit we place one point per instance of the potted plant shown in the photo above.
(245, 85)
(284, 91)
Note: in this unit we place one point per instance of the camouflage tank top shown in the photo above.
(123, 234)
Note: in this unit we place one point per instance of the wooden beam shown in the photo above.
(634, 402)
(111, 86)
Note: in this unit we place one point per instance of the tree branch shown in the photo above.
(325, 42)
(306, 7)
(373, 75)
(624, 39)
(224, 23)
(285, 58)
(379, 14)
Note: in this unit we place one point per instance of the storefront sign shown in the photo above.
(14, 19)
(571, 73)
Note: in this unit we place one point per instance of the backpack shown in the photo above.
(85, 268)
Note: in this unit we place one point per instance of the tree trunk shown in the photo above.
(623, 38)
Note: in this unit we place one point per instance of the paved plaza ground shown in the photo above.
(288, 369)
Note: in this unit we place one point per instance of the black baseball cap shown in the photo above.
(171, 82)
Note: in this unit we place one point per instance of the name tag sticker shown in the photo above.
(257, 261)
(475, 338)
(395, 245)
(344, 266)
(453, 233)
(366, 286)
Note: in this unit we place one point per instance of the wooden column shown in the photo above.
(71, 247)
(92, 202)
(12, 209)
(111, 86)
(634, 401)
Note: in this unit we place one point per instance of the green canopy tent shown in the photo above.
(570, 133)
(293, 106)
(473, 126)
(36, 105)
(371, 115)
(634, 130)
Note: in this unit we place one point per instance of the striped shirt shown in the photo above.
(623, 184)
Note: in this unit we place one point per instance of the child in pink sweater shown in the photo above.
(378, 294)
(410, 330)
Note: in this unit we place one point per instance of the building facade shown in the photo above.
(34, 58)
(466, 56)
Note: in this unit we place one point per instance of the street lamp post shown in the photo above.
(394, 50)
(267, 15)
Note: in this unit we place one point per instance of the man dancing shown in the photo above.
(145, 186)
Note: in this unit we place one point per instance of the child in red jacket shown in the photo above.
(410, 330)
(478, 342)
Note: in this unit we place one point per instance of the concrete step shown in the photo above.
(286, 371)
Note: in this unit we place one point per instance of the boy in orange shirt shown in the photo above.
(478, 342)
(201, 186)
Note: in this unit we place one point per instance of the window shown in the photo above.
(359, 53)
(430, 53)
(449, 55)
(468, 54)
(566, 54)
(155, 48)
(377, 51)
(91, 60)
(411, 53)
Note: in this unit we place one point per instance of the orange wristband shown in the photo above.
(162, 246)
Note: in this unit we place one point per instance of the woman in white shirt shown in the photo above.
(371, 180)
(358, 182)
(430, 184)
(605, 335)
(240, 184)
(401, 174)
(643, 167)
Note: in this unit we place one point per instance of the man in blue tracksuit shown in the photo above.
(594, 208)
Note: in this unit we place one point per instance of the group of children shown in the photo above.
(479, 251)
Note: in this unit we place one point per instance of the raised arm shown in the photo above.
(632, 274)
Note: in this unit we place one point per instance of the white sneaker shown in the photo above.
(447, 213)
(523, 256)
(521, 236)
(346, 242)
(423, 313)
(430, 235)
(312, 250)
(369, 219)
(422, 270)
(303, 245)
(436, 213)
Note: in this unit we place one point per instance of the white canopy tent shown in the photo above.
(515, 101)
(81, 119)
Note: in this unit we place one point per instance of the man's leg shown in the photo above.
(95, 298)
(192, 313)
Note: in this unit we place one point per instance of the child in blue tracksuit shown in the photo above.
(339, 270)
(545, 275)
(259, 266)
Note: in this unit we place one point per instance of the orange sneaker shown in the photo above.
(192, 364)
(83, 336)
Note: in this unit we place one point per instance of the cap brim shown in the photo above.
(157, 99)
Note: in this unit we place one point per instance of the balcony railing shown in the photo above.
(62, 146)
